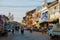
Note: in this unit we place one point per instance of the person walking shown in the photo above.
(42, 29)
(19, 29)
(22, 30)
(31, 30)
(12, 29)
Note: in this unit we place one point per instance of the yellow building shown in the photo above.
(29, 18)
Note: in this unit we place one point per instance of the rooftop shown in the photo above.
(52, 3)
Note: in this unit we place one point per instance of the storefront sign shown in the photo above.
(45, 16)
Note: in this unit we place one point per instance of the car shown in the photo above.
(55, 31)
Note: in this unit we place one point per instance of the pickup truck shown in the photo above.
(55, 31)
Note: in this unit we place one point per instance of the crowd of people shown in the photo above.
(21, 29)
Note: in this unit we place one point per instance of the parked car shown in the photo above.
(55, 31)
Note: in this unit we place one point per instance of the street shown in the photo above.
(41, 17)
(27, 36)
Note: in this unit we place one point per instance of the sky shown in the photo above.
(18, 7)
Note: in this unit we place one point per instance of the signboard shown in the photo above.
(45, 16)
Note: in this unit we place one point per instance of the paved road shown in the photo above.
(27, 36)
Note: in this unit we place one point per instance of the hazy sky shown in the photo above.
(18, 7)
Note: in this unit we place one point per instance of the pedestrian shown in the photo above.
(31, 30)
(19, 29)
(12, 29)
(42, 30)
(22, 30)
(45, 28)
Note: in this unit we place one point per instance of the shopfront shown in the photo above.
(44, 19)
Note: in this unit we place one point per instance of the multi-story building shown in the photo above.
(54, 10)
(28, 19)
(50, 11)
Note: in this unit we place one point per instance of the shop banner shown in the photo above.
(44, 16)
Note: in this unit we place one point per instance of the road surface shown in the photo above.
(27, 36)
